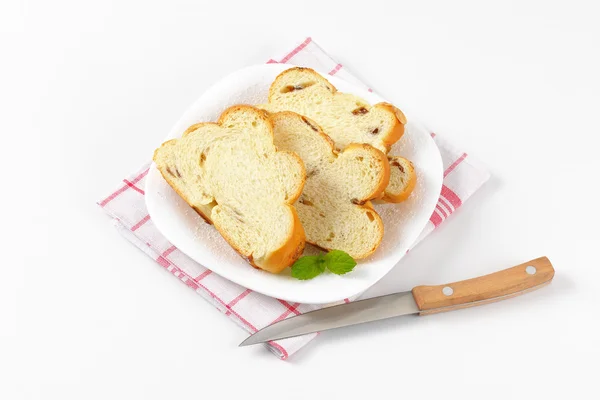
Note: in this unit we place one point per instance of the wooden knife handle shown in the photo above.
(497, 286)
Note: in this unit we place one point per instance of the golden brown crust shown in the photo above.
(289, 252)
(244, 107)
(169, 178)
(311, 71)
(385, 165)
(388, 139)
(193, 127)
(378, 192)
(281, 258)
(392, 136)
(377, 217)
(400, 120)
(409, 171)
(381, 231)
(363, 203)
(246, 256)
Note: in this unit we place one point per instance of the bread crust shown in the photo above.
(311, 71)
(388, 138)
(385, 165)
(369, 205)
(398, 129)
(364, 202)
(409, 170)
(276, 260)
(169, 179)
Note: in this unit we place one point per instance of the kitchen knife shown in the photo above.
(422, 300)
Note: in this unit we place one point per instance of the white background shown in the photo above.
(89, 89)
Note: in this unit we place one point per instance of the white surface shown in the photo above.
(201, 242)
(86, 91)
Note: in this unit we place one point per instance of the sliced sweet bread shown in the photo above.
(232, 174)
(334, 207)
(343, 117)
(402, 180)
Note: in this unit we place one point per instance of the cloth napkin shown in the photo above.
(250, 310)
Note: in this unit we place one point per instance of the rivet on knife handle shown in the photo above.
(497, 286)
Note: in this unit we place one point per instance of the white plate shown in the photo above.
(200, 241)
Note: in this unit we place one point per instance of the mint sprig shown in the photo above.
(337, 261)
(308, 267)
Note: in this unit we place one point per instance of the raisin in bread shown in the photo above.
(232, 174)
(343, 117)
(403, 179)
(334, 207)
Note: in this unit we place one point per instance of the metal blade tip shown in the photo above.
(252, 339)
(246, 342)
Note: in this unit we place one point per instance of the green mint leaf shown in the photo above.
(339, 262)
(308, 267)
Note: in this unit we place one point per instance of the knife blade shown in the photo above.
(421, 300)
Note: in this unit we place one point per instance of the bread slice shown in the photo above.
(231, 173)
(403, 179)
(343, 117)
(334, 207)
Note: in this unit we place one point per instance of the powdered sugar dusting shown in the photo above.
(200, 241)
(396, 216)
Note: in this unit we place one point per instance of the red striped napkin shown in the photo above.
(250, 310)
